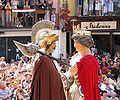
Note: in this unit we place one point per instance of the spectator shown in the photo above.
(104, 66)
(94, 50)
(117, 87)
(110, 7)
(115, 70)
(91, 8)
(104, 96)
(30, 19)
(105, 7)
(22, 19)
(42, 6)
(17, 24)
(14, 4)
(21, 93)
(109, 75)
(98, 7)
(2, 61)
(8, 14)
(110, 63)
(4, 91)
(4, 2)
(117, 55)
(26, 4)
(50, 4)
(53, 16)
(47, 15)
(20, 4)
(0, 13)
(26, 20)
(27, 82)
(34, 4)
(113, 97)
(116, 5)
(106, 86)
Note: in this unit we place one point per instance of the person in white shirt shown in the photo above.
(107, 86)
(110, 7)
(2, 61)
(113, 97)
(104, 96)
(4, 91)
(98, 7)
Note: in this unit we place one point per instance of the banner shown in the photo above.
(23, 10)
(98, 25)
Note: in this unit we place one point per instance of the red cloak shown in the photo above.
(46, 83)
(88, 77)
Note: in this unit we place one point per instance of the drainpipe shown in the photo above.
(6, 48)
(111, 43)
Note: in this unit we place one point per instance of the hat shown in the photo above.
(14, 83)
(42, 31)
(7, 83)
(84, 38)
(28, 73)
(43, 35)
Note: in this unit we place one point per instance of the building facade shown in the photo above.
(101, 17)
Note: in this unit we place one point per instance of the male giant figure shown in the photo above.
(46, 83)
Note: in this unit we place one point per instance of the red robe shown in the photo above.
(88, 77)
(46, 83)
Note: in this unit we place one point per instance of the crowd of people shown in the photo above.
(98, 8)
(9, 18)
(109, 72)
(16, 77)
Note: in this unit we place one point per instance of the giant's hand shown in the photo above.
(73, 70)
